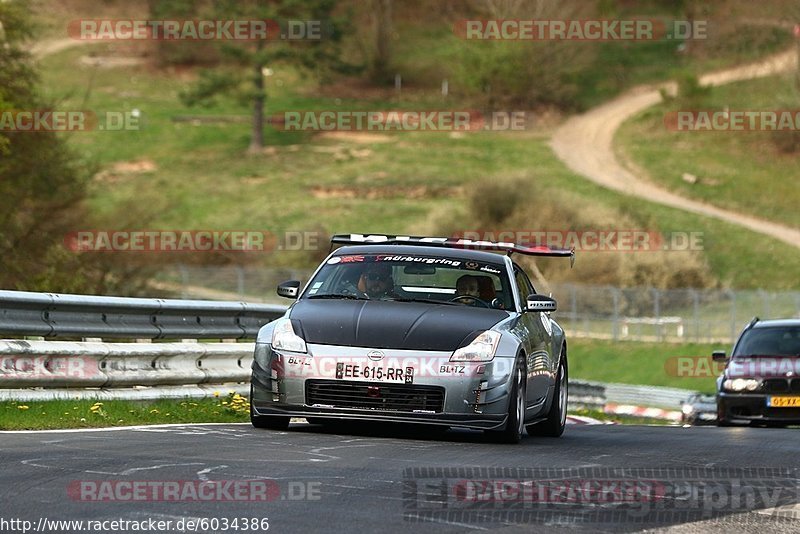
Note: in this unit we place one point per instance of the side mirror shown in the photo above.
(540, 303)
(289, 289)
(719, 356)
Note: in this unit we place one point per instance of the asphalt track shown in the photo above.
(390, 479)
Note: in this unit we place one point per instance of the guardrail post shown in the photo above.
(657, 314)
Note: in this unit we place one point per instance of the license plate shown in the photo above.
(373, 373)
(783, 402)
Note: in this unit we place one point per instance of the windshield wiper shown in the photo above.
(429, 301)
(337, 296)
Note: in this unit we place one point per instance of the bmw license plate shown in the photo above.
(783, 402)
(373, 373)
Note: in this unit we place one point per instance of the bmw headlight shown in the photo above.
(481, 349)
(284, 338)
(741, 384)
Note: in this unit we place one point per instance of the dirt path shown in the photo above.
(585, 144)
(53, 46)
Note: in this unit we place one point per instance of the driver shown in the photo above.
(467, 286)
(378, 281)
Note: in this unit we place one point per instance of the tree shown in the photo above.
(244, 63)
(525, 73)
(43, 187)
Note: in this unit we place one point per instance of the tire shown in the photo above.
(515, 425)
(556, 421)
(271, 422)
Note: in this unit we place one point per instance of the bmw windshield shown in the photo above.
(769, 341)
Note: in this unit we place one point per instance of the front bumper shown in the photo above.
(752, 407)
(483, 421)
(470, 395)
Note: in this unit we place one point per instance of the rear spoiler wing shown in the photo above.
(450, 242)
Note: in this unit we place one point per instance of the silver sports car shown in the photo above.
(408, 329)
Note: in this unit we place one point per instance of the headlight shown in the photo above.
(741, 384)
(481, 349)
(284, 338)
(687, 409)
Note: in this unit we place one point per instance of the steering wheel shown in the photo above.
(471, 299)
(351, 289)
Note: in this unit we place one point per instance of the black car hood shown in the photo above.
(390, 325)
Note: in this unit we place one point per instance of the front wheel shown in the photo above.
(516, 408)
(556, 420)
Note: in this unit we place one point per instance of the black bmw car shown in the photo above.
(419, 330)
(761, 380)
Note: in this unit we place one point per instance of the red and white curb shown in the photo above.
(583, 420)
(642, 411)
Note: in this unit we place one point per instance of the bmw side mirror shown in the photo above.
(540, 303)
(719, 356)
(289, 289)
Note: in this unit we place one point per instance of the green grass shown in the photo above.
(739, 171)
(203, 179)
(637, 363)
(91, 414)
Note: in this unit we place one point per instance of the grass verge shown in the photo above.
(89, 414)
(629, 362)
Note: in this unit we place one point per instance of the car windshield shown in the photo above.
(769, 341)
(404, 278)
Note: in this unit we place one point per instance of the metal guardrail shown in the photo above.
(645, 401)
(43, 370)
(39, 370)
(586, 394)
(638, 395)
(53, 315)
